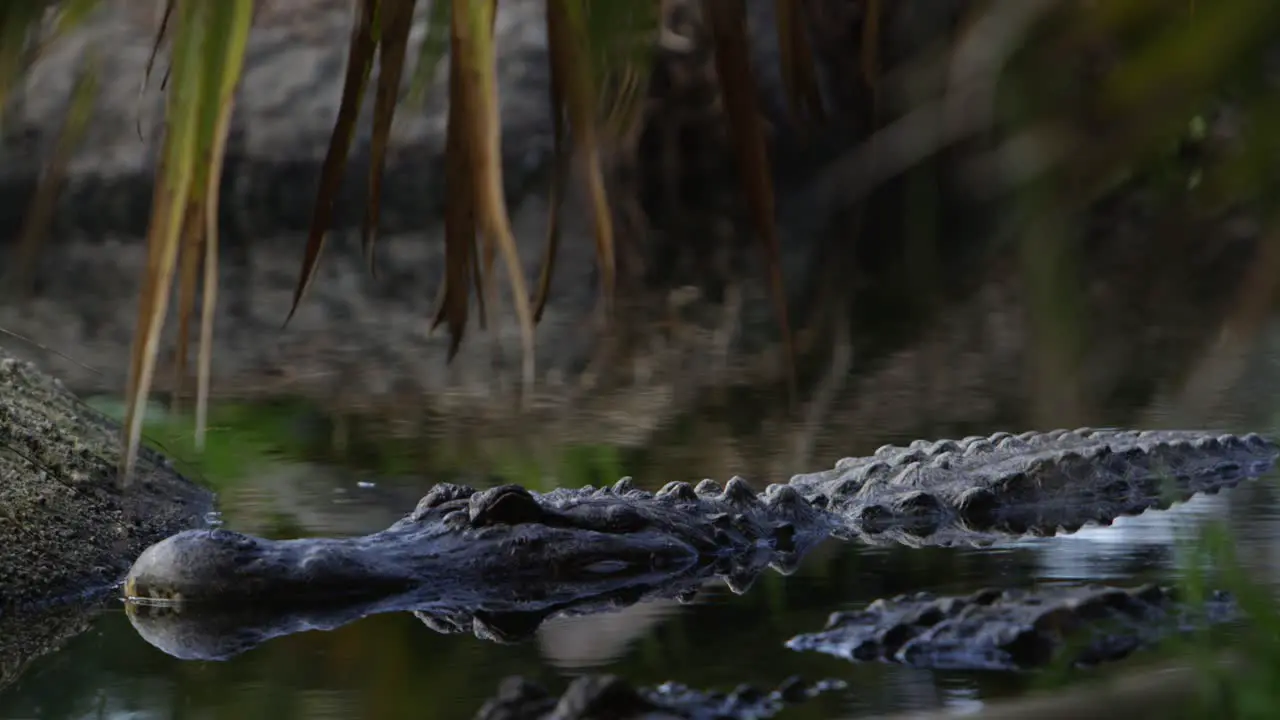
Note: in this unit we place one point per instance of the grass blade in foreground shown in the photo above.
(207, 58)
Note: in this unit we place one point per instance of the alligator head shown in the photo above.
(501, 537)
(497, 562)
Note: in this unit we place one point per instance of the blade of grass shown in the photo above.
(431, 51)
(173, 182)
(209, 304)
(728, 24)
(189, 258)
(224, 77)
(359, 63)
(73, 12)
(207, 59)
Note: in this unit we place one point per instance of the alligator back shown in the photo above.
(1033, 482)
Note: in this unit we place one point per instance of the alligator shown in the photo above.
(500, 561)
(1014, 629)
(973, 490)
(608, 696)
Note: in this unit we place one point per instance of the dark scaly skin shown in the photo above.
(982, 488)
(499, 561)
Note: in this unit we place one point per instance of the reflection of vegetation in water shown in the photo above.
(1236, 667)
(241, 439)
(1062, 102)
(244, 438)
(1248, 689)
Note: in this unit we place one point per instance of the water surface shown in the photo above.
(393, 666)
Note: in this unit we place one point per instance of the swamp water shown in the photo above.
(393, 666)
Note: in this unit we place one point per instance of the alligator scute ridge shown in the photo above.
(462, 547)
(1014, 629)
(1032, 482)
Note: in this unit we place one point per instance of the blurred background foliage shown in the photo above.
(916, 150)
(959, 139)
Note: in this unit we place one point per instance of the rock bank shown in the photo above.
(67, 529)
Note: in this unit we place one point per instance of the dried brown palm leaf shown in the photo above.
(620, 38)
(395, 18)
(599, 61)
(360, 52)
(727, 20)
(870, 61)
(560, 54)
(473, 49)
(151, 60)
(581, 98)
(795, 58)
(459, 220)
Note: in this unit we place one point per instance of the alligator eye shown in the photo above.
(506, 505)
(440, 495)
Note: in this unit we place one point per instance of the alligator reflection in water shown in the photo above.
(607, 696)
(501, 561)
(996, 629)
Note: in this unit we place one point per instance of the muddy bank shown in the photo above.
(66, 526)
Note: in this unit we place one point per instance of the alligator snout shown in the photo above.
(195, 563)
(221, 566)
